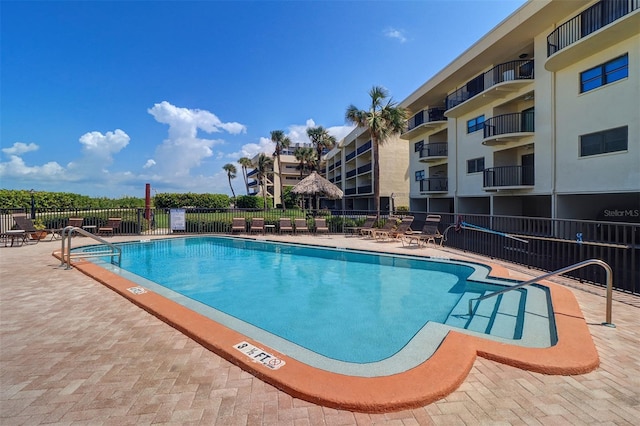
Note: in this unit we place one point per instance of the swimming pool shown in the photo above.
(432, 364)
(346, 311)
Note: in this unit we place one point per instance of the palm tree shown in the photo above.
(245, 163)
(306, 158)
(231, 174)
(321, 139)
(383, 120)
(282, 142)
(264, 166)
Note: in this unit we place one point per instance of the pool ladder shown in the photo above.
(66, 256)
(569, 268)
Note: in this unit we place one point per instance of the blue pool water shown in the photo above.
(344, 305)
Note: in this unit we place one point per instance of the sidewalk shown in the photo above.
(72, 351)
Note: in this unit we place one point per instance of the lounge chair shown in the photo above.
(25, 224)
(239, 224)
(285, 225)
(389, 225)
(301, 226)
(403, 228)
(369, 222)
(257, 225)
(321, 226)
(429, 232)
(72, 221)
(113, 223)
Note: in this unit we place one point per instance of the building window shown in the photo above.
(417, 147)
(475, 165)
(611, 140)
(420, 175)
(606, 73)
(475, 124)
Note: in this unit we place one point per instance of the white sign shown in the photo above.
(137, 290)
(176, 217)
(258, 355)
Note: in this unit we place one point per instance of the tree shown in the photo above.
(245, 163)
(282, 142)
(231, 174)
(384, 119)
(264, 166)
(306, 157)
(321, 139)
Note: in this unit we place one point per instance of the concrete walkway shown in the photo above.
(65, 359)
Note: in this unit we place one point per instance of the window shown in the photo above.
(606, 73)
(420, 175)
(611, 140)
(475, 124)
(417, 147)
(475, 165)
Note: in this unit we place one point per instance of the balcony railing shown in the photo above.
(434, 149)
(434, 185)
(350, 156)
(351, 173)
(508, 176)
(590, 20)
(426, 116)
(349, 191)
(363, 148)
(509, 123)
(365, 189)
(252, 172)
(365, 168)
(509, 71)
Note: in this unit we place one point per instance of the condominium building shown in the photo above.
(290, 174)
(350, 167)
(540, 117)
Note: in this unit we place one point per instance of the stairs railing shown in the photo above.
(569, 268)
(66, 256)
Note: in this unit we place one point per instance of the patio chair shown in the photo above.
(301, 226)
(72, 221)
(257, 225)
(430, 232)
(113, 223)
(285, 225)
(369, 223)
(25, 224)
(389, 225)
(238, 224)
(403, 228)
(321, 226)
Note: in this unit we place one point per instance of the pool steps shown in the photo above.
(517, 315)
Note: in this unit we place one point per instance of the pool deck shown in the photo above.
(83, 354)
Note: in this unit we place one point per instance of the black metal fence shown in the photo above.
(551, 243)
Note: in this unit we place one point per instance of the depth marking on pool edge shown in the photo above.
(137, 290)
(259, 355)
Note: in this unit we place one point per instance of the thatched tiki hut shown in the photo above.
(317, 186)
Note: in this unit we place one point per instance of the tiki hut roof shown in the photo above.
(314, 184)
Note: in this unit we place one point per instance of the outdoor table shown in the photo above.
(351, 230)
(270, 228)
(13, 235)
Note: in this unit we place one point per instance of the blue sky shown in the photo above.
(101, 97)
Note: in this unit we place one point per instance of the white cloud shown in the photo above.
(395, 34)
(16, 167)
(20, 148)
(149, 163)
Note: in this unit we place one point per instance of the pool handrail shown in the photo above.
(68, 232)
(569, 268)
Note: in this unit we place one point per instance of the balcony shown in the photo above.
(508, 127)
(365, 189)
(364, 148)
(351, 173)
(496, 83)
(508, 177)
(350, 191)
(424, 120)
(434, 185)
(434, 151)
(252, 172)
(350, 156)
(581, 36)
(364, 169)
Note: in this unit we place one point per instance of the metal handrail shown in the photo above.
(558, 272)
(68, 232)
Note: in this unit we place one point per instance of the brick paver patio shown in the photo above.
(74, 352)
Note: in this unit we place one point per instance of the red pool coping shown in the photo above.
(435, 378)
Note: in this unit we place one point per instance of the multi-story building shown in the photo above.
(290, 174)
(540, 117)
(350, 167)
